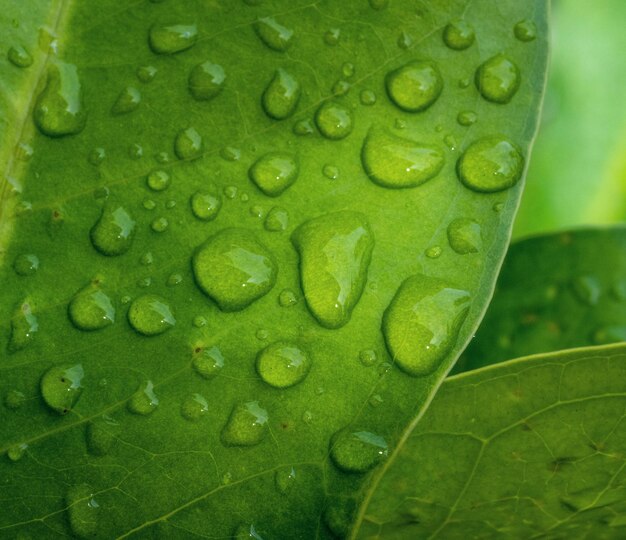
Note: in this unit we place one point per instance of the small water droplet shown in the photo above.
(415, 86)
(149, 204)
(307, 417)
(497, 207)
(99, 438)
(230, 192)
(194, 407)
(466, 118)
(96, 156)
(282, 364)
(158, 180)
(367, 98)
(281, 96)
(199, 321)
(340, 88)
(246, 532)
(433, 252)
(375, 400)
(159, 224)
(188, 144)
(431, 312)
(19, 56)
(285, 479)
(357, 451)
(450, 141)
(163, 158)
(206, 81)
(114, 231)
(151, 315)
(347, 69)
(287, 298)
(587, 289)
(332, 36)
(334, 120)
(256, 211)
(24, 326)
(458, 35)
(144, 401)
(229, 153)
(335, 251)
(91, 308)
(61, 387)
(14, 399)
(378, 5)
(135, 151)
(262, 334)
(330, 171)
(525, 30)
(368, 357)
(26, 264)
(464, 236)
(128, 100)
(59, 107)
(396, 162)
(24, 151)
(16, 452)
(170, 39)
(277, 219)
(274, 172)
(303, 127)
(83, 511)
(146, 73)
(170, 204)
(497, 79)
(207, 361)
(246, 426)
(234, 269)
(490, 164)
(276, 36)
(174, 279)
(206, 204)
(144, 283)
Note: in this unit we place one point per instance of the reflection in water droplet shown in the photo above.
(281, 96)
(144, 401)
(334, 120)
(19, 56)
(415, 86)
(277, 219)
(282, 364)
(246, 532)
(458, 35)
(368, 357)
(335, 252)
(91, 309)
(207, 361)
(367, 97)
(466, 118)
(330, 171)
(188, 144)
(357, 451)
(61, 387)
(287, 298)
(422, 323)
(207, 203)
(285, 479)
(234, 269)
(24, 151)
(525, 30)
(276, 36)
(274, 172)
(159, 224)
(135, 151)
(151, 315)
(464, 236)
(170, 39)
(498, 79)
(82, 511)
(114, 231)
(332, 36)
(26, 264)
(24, 326)
(158, 180)
(96, 156)
(341, 88)
(146, 73)
(206, 81)
(396, 162)
(194, 407)
(246, 426)
(433, 252)
(128, 100)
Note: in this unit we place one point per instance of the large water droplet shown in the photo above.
(281, 95)
(24, 326)
(128, 100)
(497, 79)
(282, 364)
(334, 120)
(422, 322)
(206, 81)
(207, 361)
(490, 164)
(234, 269)
(206, 204)
(113, 233)
(144, 401)
(335, 252)
(273, 34)
(464, 236)
(170, 39)
(61, 387)
(525, 30)
(357, 451)
(246, 426)
(59, 109)
(396, 162)
(82, 511)
(193, 407)
(458, 35)
(188, 144)
(414, 86)
(19, 56)
(151, 315)
(274, 172)
(26, 264)
(91, 308)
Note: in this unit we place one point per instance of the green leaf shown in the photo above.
(531, 448)
(223, 202)
(554, 292)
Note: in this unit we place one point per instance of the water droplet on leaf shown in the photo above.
(274, 172)
(91, 309)
(24, 326)
(464, 236)
(26, 264)
(334, 120)
(281, 96)
(285, 479)
(246, 426)
(282, 364)
(498, 79)
(207, 361)
(83, 511)
(276, 36)
(19, 56)
(151, 315)
(466, 118)
(525, 30)
(458, 35)
(193, 407)
(206, 81)
(207, 203)
(277, 219)
(357, 451)
(587, 289)
(367, 97)
(128, 100)
(146, 73)
(144, 401)
(170, 39)
(113, 233)
(61, 387)
(415, 86)
(159, 224)
(188, 144)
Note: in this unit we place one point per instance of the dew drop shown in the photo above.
(16, 452)
(24, 326)
(188, 144)
(199, 321)
(458, 35)
(422, 322)
(24, 151)
(144, 401)
(147, 259)
(347, 69)
(149, 204)
(340, 88)
(490, 164)
(19, 56)
(357, 451)
(234, 269)
(368, 357)
(163, 158)
(128, 100)
(404, 41)
(230, 192)
(334, 120)
(82, 511)
(99, 438)
(206, 81)
(525, 31)
(170, 39)
(144, 283)
(159, 224)
(330, 171)
(497, 79)
(206, 204)
(207, 361)
(229, 153)
(135, 151)
(158, 180)
(433, 252)
(396, 162)
(146, 73)
(151, 315)
(464, 236)
(275, 36)
(246, 426)
(246, 532)
(59, 108)
(274, 172)
(194, 407)
(466, 118)
(281, 96)
(114, 231)
(256, 211)
(335, 252)
(61, 387)
(415, 86)
(367, 98)
(284, 479)
(96, 156)
(26, 264)
(282, 364)
(375, 400)
(174, 279)
(91, 309)
(287, 298)
(587, 289)
(14, 399)
(332, 36)
(277, 219)
(303, 127)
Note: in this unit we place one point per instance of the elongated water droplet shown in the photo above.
(99, 438)
(285, 479)
(19, 56)
(113, 233)
(83, 511)
(357, 451)
(335, 252)
(282, 364)
(206, 81)
(59, 109)
(246, 426)
(144, 401)
(61, 387)
(128, 100)
(458, 35)
(26, 264)
(587, 289)
(525, 30)
(188, 144)
(206, 204)
(497, 79)
(151, 315)
(193, 407)
(422, 322)
(276, 36)
(396, 162)
(277, 219)
(207, 361)
(146, 73)
(91, 308)
(24, 326)
(274, 172)
(170, 39)
(334, 120)
(415, 86)
(281, 96)
(490, 164)
(464, 236)
(234, 269)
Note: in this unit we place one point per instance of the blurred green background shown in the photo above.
(577, 174)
